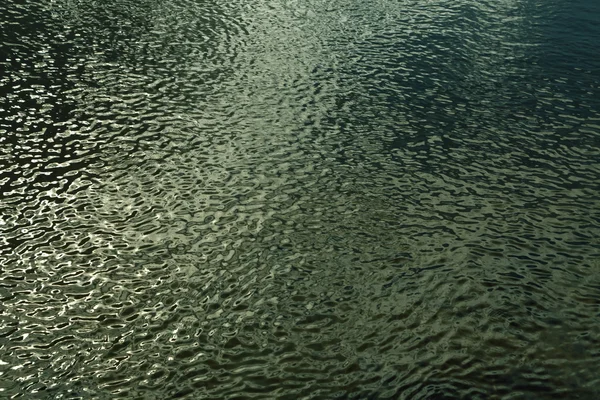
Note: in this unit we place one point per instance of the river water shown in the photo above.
(393, 199)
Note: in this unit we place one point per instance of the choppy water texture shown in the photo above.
(300, 199)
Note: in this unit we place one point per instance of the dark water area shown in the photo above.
(299, 199)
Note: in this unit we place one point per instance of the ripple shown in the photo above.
(311, 200)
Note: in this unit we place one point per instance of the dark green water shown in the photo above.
(299, 199)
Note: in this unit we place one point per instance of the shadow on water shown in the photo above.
(38, 89)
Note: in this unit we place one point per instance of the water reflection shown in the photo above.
(298, 200)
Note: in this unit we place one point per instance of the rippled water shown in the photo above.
(300, 199)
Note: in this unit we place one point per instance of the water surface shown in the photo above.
(299, 199)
